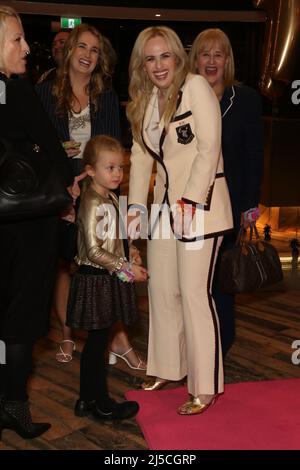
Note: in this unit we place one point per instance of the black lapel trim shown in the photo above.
(161, 142)
(179, 99)
(152, 153)
(160, 159)
(182, 116)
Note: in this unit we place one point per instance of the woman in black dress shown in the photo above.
(29, 247)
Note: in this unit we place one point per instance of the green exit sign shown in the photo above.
(69, 23)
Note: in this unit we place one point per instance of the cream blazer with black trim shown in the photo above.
(190, 162)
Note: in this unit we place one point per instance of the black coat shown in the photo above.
(28, 248)
(242, 147)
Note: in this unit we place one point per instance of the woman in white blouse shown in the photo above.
(81, 103)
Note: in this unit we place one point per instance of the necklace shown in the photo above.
(77, 122)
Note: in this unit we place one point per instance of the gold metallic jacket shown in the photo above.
(98, 241)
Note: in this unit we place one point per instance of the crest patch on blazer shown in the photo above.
(184, 133)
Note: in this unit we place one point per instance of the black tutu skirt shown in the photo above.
(98, 300)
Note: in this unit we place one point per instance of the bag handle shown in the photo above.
(253, 228)
(240, 239)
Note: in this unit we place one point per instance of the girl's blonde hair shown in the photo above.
(62, 89)
(140, 86)
(93, 149)
(5, 12)
(204, 42)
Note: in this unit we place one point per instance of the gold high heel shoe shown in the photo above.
(194, 406)
(155, 384)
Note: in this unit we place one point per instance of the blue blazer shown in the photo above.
(104, 121)
(242, 147)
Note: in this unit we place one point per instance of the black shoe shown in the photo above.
(115, 410)
(84, 408)
(15, 415)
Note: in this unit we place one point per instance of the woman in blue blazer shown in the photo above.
(242, 146)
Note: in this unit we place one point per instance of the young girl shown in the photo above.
(102, 291)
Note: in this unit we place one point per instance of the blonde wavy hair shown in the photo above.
(204, 42)
(140, 86)
(5, 12)
(92, 153)
(62, 89)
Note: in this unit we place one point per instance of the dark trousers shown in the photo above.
(15, 372)
(93, 373)
(225, 302)
(226, 313)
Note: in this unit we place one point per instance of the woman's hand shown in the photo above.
(68, 214)
(135, 255)
(140, 273)
(72, 148)
(249, 217)
(183, 218)
(74, 190)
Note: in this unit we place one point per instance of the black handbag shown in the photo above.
(30, 184)
(249, 265)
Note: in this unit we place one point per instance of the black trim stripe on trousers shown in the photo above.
(214, 314)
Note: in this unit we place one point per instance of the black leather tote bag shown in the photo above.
(30, 185)
(249, 265)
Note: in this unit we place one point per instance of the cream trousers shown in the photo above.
(184, 337)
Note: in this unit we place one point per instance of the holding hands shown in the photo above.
(140, 273)
(74, 190)
(131, 272)
(135, 256)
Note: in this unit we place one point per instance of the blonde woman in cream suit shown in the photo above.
(175, 120)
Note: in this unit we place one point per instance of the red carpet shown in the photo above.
(249, 416)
